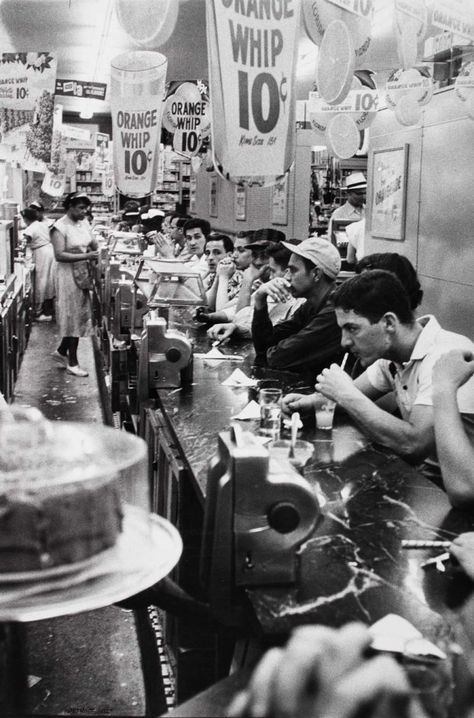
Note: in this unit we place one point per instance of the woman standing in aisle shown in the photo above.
(38, 239)
(73, 243)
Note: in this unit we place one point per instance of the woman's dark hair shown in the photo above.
(74, 198)
(372, 294)
(29, 214)
(280, 254)
(224, 238)
(400, 266)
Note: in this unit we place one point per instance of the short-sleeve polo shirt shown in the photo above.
(412, 380)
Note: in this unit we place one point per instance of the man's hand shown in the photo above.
(277, 289)
(453, 369)
(335, 384)
(225, 268)
(221, 331)
(163, 246)
(252, 272)
(321, 673)
(462, 548)
(297, 402)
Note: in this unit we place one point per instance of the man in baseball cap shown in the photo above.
(353, 208)
(310, 340)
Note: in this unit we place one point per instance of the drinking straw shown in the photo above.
(344, 361)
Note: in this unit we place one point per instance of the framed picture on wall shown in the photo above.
(280, 201)
(240, 202)
(213, 196)
(389, 185)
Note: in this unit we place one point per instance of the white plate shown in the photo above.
(41, 574)
(146, 551)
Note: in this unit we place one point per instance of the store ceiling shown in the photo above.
(86, 34)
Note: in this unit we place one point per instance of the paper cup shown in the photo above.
(136, 98)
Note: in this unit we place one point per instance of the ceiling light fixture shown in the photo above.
(86, 114)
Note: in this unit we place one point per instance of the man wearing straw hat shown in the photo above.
(310, 339)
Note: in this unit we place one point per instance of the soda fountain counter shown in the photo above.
(348, 564)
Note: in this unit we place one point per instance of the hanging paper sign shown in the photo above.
(137, 91)
(361, 102)
(23, 77)
(419, 85)
(356, 101)
(108, 186)
(410, 22)
(356, 14)
(54, 183)
(186, 114)
(252, 50)
(27, 105)
(454, 16)
(362, 8)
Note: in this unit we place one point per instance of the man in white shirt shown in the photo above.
(354, 206)
(378, 326)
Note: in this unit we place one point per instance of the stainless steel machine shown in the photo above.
(257, 516)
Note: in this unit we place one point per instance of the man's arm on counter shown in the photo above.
(413, 439)
(454, 446)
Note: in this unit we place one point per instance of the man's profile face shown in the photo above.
(368, 342)
(242, 256)
(356, 197)
(302, 281)
(195, 241)
(275, 269)
(259, 258)
(214, 252)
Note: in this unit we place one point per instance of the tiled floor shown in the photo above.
(87, 664)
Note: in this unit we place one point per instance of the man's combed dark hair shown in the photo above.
(400, 266)
(224, 238)
(280, 254)
(201, 224)
(372, 294)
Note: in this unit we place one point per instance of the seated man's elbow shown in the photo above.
(414, 450)
(460, 496)
(274, 360)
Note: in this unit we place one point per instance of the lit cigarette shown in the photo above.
(344, 361)
(426, 544)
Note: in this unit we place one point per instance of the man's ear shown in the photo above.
(390, 322)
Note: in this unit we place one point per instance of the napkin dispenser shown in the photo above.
(257, 516)
(165, 357)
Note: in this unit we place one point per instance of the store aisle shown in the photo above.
(87, 664)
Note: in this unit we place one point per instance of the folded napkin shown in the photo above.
(251, 411)
(397, 635)
(238, 378)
